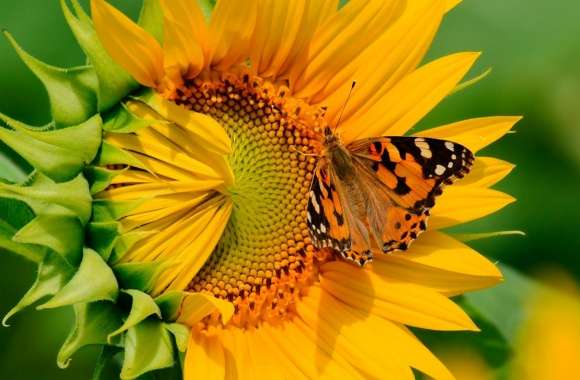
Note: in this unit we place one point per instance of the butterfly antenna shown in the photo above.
(345, 103)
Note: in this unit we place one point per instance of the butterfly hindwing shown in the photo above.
(331, 225)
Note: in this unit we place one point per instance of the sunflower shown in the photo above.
(211, 119)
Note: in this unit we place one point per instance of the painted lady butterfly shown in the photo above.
(374, 195)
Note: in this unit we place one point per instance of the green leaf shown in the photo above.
(121, 120)
(72, 92)
(60, 154)
(102, 237)
(514, 291)
(63, 234)
(180, 333)
(148, 347)
(52, 274)
(107, 367)
(94, 281)
(44, 196)
(13, 167)
(15, 213)
(126, 241)
(100, 178)
(111, 155)
(142, 307)
(94, 322)
(151, 19)
(114, 83)
(170, 304)
(139, 276)
(108, 210)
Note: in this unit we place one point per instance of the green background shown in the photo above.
(533, 47)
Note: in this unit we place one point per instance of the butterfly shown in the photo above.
(374, 195)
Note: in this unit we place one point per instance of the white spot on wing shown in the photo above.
(449, 145)
(439, 169)
(314, 202)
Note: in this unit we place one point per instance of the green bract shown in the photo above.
(47, 178)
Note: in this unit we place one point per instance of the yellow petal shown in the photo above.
(196, 306)
(155, 189)
(406, 303)
(204, 359)
(204, 127)
(450, 4)
(372, 341)
(460, 204)
(486, 172)
(128, 44)
(283, 30)
(332, 48)
(440, 262)
(411, 99)
(158, 147)
(267, 354)
(475, 134)
(230, 32)
(315, 359)
(383, 63)
(192, 253)
(185, 31)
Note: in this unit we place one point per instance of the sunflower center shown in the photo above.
(265, 258)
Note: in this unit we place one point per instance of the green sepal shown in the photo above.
(121, 120)
(206, 7)
(64, 234)
(15, 215)
(141, 276)
(170, 304)
(148, 347)
(142, 307)
(94, 322)
(107, 367)
(127, 240)
(13, 167)
(59, 153)
(72, 92)
(151, 19)
(53, 273)
(94, 281)
(180, 334)
(44, 196)
(107, 210)
(111, 155)
(114, 83)
(102, 237)
(100, 178)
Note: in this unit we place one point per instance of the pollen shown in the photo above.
(265, 259)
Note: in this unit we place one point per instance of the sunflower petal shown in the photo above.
(408, 304)
(279, 37)
(204, 359)
(185, 31)
(440, 262)
(230, 32)
(486, 172)
(196, 306)
(332, 48)
(411, 99)
(460, 204)
(128, 44)
(450, 4)
(382, 65)
(475, 134)
(382, 343)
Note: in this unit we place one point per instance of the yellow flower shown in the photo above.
(217, 186)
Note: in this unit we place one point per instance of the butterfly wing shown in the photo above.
(331, 224)
(406, 173)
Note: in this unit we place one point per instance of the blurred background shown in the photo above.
(533, 47)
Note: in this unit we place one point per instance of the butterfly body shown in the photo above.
(373, 195)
